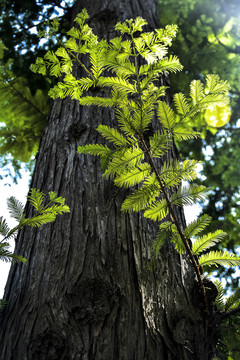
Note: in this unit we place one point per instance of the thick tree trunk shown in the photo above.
(86, 291)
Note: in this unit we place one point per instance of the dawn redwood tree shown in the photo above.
(86, 291)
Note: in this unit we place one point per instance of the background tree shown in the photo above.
(85, 291)
(208, 42)
(24, 102)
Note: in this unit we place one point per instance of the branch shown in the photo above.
(175, 221)
(227, 314)
(236, 50)
(25, 99)
(25, 30)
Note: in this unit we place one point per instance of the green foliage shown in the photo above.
(24, 104)
(208, 42)
(3, 304)
(197, 226)
(22, 114)
(206, 241)
(228, 331)
(219, 301)
(44, 213)
(136, 63)
(15, 208)
(219, 258)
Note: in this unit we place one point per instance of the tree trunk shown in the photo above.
(86, 291)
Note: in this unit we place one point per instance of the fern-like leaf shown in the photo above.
(172, 172)
(134, 176)
(118, 83)
(165, 229)
(66, 62)
(4, 228)
(182, 133)
(150, 56)
(138, 24)
(219, 301)
(157, 211)
(142, 117)
(83, 83)
(188, 169)
(112, 135)
(233, 300)
(15, 208)
(196, 91)
(39, 220)
(213, 100)
(197, 226)
(159, 144)
(206, 241)
(47, 215)
(219, 258)
(125, 121)
(179, 245)
(94, 149)
(170, 64)
(124, 160)
(36, 197)
(142, 198)
(166, 115)
(97, 65)
(6, 255)
(189, 195)
(56, 199)
(181, 104)
(123, 69)
(215, 85)
(96, 100)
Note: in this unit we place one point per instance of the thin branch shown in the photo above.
(175, 221)
(169, 204)
(45, 18)
(25, 99)
(227, 314)
(236, 50)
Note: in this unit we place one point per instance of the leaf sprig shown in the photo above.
(136, 60)
(44, 214)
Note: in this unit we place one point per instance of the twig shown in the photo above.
(227, 314)
(175, 221)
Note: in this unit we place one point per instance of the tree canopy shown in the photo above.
(24, 102)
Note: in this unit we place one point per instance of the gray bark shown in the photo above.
(86, 291)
